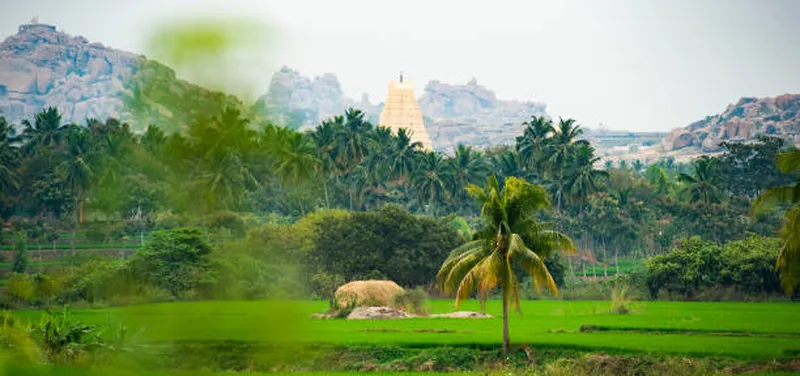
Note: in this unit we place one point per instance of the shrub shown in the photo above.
(20, 288)
(620, 302)
(414, 301)
(227, 220)
(174, 260)
(15, 339)
(696, 267)
(20, 255)
(324, 286)
(64, 340)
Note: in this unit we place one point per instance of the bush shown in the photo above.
(388, 242)
(14, 339)
(64, 340)
(620, 302)
(414, 301)
(102, 232)
(696, 267)
(227, 220)
(20, 288)
(174, 260)
(20, 264)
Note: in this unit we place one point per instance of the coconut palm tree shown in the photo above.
(468, 167)
(352, 138)
(76, 170)
(561, 149)
(511, 237)
(701, 183)
(324, 137)
(46, 129)
(432, 179)
(583, 178)
(9, 157)
(404, 155)
(788, 263)
(532, 142)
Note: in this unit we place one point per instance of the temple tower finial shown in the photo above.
(401, 76)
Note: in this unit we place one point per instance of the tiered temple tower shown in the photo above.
(401, 110)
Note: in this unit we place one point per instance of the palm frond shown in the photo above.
(773, 197)
(789, 162)
(788, 264)
(531, 263)
(483, 276)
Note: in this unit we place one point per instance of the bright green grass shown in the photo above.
(544, 323)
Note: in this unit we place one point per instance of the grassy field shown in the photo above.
(741, 330)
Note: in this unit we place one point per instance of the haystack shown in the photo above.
(367, 293)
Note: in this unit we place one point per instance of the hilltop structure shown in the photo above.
(401, 110)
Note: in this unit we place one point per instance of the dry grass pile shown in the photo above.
(367, 293)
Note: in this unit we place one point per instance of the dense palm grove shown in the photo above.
(64, 176)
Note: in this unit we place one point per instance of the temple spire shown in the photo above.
(401, 76)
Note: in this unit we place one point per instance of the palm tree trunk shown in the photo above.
(325, 189)
(605, 259)
(506, 340)
(560, 187)
(75, 226)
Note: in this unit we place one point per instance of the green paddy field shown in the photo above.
(740, 330)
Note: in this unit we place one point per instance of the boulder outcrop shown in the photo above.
(43, 67)
(744, 120)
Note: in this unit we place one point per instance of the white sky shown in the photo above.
(629, 64)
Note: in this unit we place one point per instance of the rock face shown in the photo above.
(42, 67)
(470, 114)
(296, 101)
(744, 120)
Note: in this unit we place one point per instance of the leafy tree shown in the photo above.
(511, 237)
(747, 168)
(698, 267)
(389, 241)
(174, 260)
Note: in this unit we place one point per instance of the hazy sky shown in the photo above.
(629, 64)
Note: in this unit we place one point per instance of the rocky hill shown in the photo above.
(43, 67)
(469, 114)
(744, 120)
(298, 101)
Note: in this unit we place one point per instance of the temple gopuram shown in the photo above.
(401, 110)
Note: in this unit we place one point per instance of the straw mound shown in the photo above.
(367, 293)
